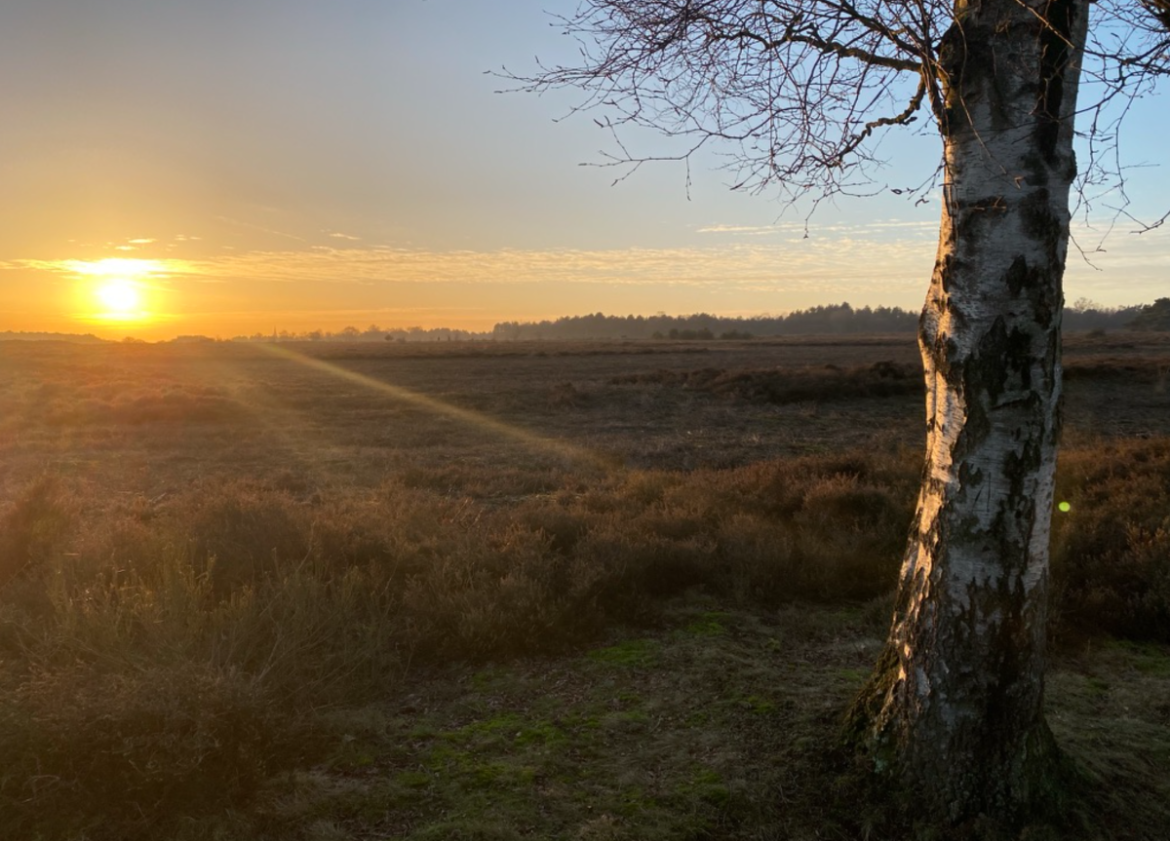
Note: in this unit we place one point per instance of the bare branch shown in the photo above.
(798, 92)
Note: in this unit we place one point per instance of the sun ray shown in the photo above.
(442, 408)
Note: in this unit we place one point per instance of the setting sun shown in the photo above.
(119, 297)
(117, 289)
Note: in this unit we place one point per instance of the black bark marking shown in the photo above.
(1054, 57)
(1018, 355)
(973, 220)
(958, 317)
(988, 371)
(944, 270)
(1038, 287)
(1040, 223)
(1017, 276)
(970, 476)
(953, 61)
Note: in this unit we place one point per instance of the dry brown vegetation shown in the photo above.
(249, 593)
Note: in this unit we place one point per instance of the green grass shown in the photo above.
(636, 652)
(565, 749)
(719, 736)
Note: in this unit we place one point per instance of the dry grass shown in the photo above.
(214, 561)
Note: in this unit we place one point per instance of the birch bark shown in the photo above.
(957, 702)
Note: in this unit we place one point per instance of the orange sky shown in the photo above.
(295, 165)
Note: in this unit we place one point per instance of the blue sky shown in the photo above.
(295, 164)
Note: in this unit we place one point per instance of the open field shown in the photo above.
(522, 590)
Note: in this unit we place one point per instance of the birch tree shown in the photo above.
(802, 90)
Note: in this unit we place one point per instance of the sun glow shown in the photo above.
(115, 289)
(120, 297)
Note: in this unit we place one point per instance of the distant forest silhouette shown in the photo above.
(35, 336)
(839, 318)
(836, 319)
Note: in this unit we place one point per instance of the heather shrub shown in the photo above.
(34, 528)
(239, 533)
(566, 396)
(163, 656)
(562, 526)
(99, 754)
(510, 595)
(1111, 549)
(135, 404)
(792, 385)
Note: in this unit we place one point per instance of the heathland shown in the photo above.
(500, 590)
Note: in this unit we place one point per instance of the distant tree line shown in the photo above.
(1155, 316)
(26, 336)
(373, 333)
(838, 318)
(1087, 316)
(1082, 316)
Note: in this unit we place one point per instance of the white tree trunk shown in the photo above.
(956, 704)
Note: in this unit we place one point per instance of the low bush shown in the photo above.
(99, 754)
(161, 657)
(830, 383)
(34, 528)
(1111, 547)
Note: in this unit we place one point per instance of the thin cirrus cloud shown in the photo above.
(754, 268)
(742, 230)
(734, 264)
(874, 229)
(128, 267)
(748, 257)
(895, 256)
(720, 254)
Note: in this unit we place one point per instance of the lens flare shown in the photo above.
(442, 408)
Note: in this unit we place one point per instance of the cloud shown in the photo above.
(754, 264)
(842, 258)
(748, 230)
(799, 229)
(364, 315)
(260, 228)
(339, 235)
(888, 258)
(110, 267)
